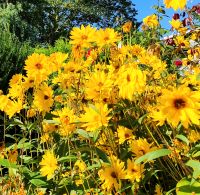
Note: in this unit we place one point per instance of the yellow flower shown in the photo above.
(31, 112)
(176, 24)
(44, 138)
(151, 21)
(136, 50)
(194, 136)
(13, 107)
(158, 190)
(180, 105)
(127, 27)
(181, 41)
(80, 166)
(111, 174)
(15, 80)
(65, 119)
(131, 81)
(49, 127)
(107, 37)
(16, 91)
(30, 82)
(82, 36)
(37, 64)
(95, 117)
(43, 98)
(13, 154)
(134, 171)
(140, 147)
(175, 4)
(48, 164)
(124, 134)
(98, 86)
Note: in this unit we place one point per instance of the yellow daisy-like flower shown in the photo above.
(151, 21)
(15, 80)
(57, 60)
(127, 27)
(131, 81)
(65, 119)
(37, 64)
(80, 166)
(112, 173)
(140, 147)
(43, 98)
(176, 24)
(124, 134)
(181, 41)
(180, 105)
(95, 117)
(107, 37)
(48, 164)
(13, 107)
(175, 4)
(134, 171)
(98, 86)
(82, 36)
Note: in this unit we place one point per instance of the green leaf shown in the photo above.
(183, 138)
(83, 133)
(67, 158)
(196, 167)
(10, 136)
(26, 145)
(25, 158)
(7, 164)
(38, 182)
(196, 154)
(141, 119)
(95, 135)
(153, 155)
(184, 187)
(102, 155)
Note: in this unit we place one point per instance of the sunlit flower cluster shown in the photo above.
(110, 115)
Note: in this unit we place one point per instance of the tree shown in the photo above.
(47, 20)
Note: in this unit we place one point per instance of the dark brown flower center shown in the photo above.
(38, 66)
(179, 103)
(84, 37)
(143, 152)
(66, 120)
(133, 170)
(128, 78)
(106, 38)
(114, 175)
(46, 97)
(127, 135)
(100, 84)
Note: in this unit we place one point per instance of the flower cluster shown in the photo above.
(109, 116)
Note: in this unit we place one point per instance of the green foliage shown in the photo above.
(12, 56)
(61, 45)
(153, 155)
(184, 187)
(45, 21)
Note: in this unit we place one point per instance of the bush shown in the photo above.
(12, 56)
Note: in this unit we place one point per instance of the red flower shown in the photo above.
(88, 53)
(170, 41)
(178, 63)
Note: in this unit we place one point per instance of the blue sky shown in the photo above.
(144, 8)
